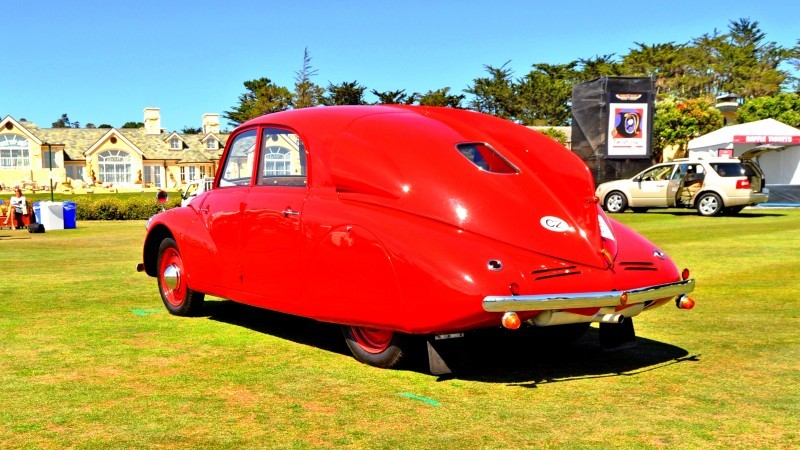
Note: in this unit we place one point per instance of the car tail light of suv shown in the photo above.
(743, 183)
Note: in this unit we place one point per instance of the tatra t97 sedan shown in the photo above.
(396, 221)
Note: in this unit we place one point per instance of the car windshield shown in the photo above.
(733, 169)
(657, 173)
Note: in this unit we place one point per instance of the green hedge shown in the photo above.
(112, 208)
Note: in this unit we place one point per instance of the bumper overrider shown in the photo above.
(609, 301)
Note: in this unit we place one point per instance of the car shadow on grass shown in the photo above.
(495, 356)
(529, 361)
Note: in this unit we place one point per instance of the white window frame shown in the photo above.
(121, 164)
(188, 173)
(15, 152)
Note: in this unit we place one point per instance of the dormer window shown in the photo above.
(211, 144)
(174, 144)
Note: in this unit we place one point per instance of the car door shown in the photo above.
(221, 211)
(650, 188)
(271, 232)
(675, 184)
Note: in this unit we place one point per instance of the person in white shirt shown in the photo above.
(17, 209)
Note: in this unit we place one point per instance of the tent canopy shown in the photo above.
(750, 134)
(775, 145)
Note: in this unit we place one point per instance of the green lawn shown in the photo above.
(90, 358)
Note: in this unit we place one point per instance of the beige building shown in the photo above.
(116, 158)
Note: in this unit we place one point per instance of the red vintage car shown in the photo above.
(400, 220)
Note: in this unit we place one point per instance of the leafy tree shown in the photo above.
(262, 97)
(750, 62)
(545, 93)
(556, 135)
(398, 97)
(105, 125)
(90, 125)
(306, 92)
(439, 97)
(676, 122)
(597, 67)
(345, 93)
(64, 122)
(131, 125)
(495, 94)
(666, 63)
(794, 61)
(191, 130)
(783, 107)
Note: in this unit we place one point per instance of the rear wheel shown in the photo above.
(709, 204)
(379, 348)
(616, 202)
(179, 299)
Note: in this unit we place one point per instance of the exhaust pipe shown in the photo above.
(608, 318)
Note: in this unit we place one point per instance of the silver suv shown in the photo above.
(713, 186)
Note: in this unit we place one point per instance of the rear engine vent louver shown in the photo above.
(637, 266)
(543, 274)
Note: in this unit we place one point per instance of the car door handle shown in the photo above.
(288, 212)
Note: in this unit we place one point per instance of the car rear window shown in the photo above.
(733, 169)
(486, 158)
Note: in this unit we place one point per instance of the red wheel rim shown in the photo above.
(175, 296)
(372, 340)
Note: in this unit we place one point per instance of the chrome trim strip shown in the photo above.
(502, 303)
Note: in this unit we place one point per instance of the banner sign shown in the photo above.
(628, 119)
(766, 139)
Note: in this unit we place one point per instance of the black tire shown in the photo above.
(616, 202)
(709, 204)
(732, 210)
(179, 299)
(640, 209)
(378, 348)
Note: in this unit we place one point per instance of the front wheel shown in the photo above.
(709, 205)
(616, 202)
(179, 299)
(374, 347)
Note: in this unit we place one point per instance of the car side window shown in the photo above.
(657, 173)
(238, 169)
(282, 160)
(680, 171)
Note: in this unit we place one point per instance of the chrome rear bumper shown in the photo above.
(496, 303)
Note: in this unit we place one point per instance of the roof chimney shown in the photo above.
(210, 123)
(152, 121)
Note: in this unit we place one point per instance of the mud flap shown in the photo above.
(616, 336)
(443, 354)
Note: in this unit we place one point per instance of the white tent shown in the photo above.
(776, 144)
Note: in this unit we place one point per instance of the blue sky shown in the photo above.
(105, 61)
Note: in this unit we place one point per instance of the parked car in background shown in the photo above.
(712, 186)
(400, 221)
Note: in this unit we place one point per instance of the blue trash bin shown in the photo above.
(69, 215)
(36, 212)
